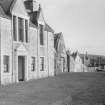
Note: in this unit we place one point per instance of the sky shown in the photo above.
(82, 23)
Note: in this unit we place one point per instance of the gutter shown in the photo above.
(12, 47)
(0, 50)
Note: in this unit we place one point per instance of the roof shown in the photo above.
(6, 4)
(48, 28)
(2, 13)
(68, 52)
(57, 36)
(74, 55)
(32, 25)
(34, 15)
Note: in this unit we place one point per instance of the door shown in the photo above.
(21, 68)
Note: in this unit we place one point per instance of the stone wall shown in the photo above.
(6, 49)
(31, 49)
(32, 53)
(43, 53)
(61, 54)
(51, 53)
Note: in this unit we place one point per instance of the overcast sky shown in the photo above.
(81, 21)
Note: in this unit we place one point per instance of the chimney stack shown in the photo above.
(31, 5)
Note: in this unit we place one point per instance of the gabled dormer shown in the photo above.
(20, 21)
(36, 16)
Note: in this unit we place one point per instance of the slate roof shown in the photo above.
(32, 25)
(57, 36)
(2, 13)
(6, 4)
(56, 39)
(35, 15)
(48, 28)
(74, 55)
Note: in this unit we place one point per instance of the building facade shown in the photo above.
(78, 64)
(60, 56)
(26, 42)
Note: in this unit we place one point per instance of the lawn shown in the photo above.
(83, 88)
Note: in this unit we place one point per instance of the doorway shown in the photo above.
(21, 68)
(62, 64)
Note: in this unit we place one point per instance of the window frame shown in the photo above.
(42, 63)
(41, 34)
(6, 63)
(20, 28)
(33, 64)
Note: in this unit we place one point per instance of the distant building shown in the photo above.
(72, 64)
(93, 61)
(78, 62)
(61, 56)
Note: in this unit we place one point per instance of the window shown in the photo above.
(20, 29)
(6, 63)
(14, 28)
(41, 63)
(33, 64)
(41, 35)
(26, 30)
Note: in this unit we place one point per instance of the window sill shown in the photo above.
(21, 42)
(6, 72)
(42, 45)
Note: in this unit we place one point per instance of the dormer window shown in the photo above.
(41, 34)
(20, 29)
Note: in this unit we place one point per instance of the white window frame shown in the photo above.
(6, 67)
(42, 67)
(17, 33)
(33, 69)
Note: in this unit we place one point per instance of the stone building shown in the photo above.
(70, 62)
(26, 42)
(61, 56)
(78, 63)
